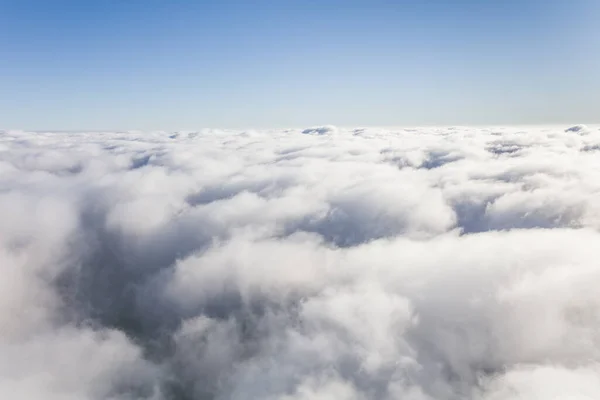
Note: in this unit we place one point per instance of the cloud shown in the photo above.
(320, 130)
(381, 264)
(577, 129)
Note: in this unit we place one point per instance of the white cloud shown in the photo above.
(577, 129)
(324, 263)
(320, 130)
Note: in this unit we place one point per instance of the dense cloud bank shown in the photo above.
(318, 264)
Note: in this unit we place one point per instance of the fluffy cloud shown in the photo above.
(320, 130)
(322, 263)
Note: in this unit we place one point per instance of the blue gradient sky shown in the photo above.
(103, 64)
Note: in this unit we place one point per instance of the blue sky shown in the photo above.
(103, 64)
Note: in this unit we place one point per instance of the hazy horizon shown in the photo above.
(300, 128)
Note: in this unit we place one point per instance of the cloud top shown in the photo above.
(288, 265)
(320, 130)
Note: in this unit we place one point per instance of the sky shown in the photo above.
(259, 64)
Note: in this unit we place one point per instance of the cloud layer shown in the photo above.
(324, 263)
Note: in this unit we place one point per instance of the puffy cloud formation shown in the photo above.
(577, 129)
(320, 130)
(370, 264)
